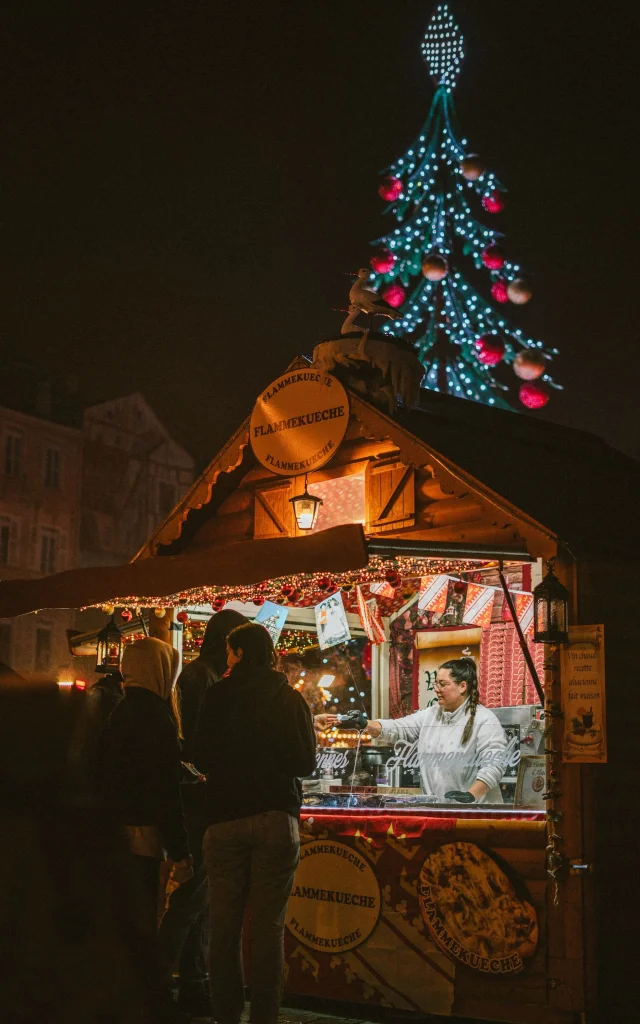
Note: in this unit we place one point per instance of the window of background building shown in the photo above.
(5, 643)
(48, 550)
(52, 468)
(166, 497)
(5, 541)
(43, 649)
(8, 536)
(13, 455)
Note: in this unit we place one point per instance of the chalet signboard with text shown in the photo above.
(583, 696)
(299, 421)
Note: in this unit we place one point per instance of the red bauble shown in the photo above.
(529, 364)
(392, 577)
(499, 291)
(394, 295)
(287, 590)
(383, 264)
(534, 396)
(324, 583)
(126, 615)
(182, 617)
(490, 349)
(459, 586)
(493, 257)
(218, 604)
(390, 189)
(493, 203)
(258, 600)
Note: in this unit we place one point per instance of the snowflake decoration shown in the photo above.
(443, 47)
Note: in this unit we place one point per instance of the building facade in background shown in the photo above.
(134, 474)
(76, 489)
(40, 488)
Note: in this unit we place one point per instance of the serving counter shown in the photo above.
(425, 913)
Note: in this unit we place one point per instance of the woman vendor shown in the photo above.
(461, 744)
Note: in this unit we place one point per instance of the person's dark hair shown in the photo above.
(218, 628)
(463, 670)
(256, 645)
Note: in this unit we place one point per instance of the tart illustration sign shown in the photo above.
(298, 423)
(473, 911)
(335, 901)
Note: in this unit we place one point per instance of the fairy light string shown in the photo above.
(298, 588)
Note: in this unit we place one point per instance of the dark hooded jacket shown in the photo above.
(254, 739)
(206, 669)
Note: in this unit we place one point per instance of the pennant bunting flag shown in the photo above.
(382, 589)
(523, 601)
(370, 618)
(433, 594)
(479, 604)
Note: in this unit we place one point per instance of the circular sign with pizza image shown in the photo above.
(473, 912)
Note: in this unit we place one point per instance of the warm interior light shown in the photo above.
(306, 507)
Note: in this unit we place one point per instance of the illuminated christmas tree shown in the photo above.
(442, 266)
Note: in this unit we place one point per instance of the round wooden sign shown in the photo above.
(298, 423)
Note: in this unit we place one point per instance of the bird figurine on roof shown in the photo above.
(366, 300)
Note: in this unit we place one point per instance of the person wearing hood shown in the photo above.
(208, 668)
(254, 740)
(139, 772)
(183, 929)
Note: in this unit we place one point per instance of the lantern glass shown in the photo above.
(550, 610)
(306, 507)
(109, 648)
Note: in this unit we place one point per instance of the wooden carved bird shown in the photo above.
(367, 300)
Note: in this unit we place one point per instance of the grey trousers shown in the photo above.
(249, 861)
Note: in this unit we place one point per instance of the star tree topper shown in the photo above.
(443, 47)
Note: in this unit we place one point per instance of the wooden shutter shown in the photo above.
(391, 503)
(273, 512)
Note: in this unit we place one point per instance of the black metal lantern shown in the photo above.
(109, 649)
(550, 610)
(306, 507)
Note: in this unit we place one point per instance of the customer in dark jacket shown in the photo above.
(184, 928)
(139, 775)
(254, 738)
(209, 667)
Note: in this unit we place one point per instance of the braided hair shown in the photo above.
(463, 670)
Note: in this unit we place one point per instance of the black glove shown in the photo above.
(462, 796)
(353, 720)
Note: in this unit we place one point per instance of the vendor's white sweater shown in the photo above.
(444, 763)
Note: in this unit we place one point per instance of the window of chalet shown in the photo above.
(381, 495)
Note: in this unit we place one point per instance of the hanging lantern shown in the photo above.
(109, 649)
(550, 610)
(306, 507)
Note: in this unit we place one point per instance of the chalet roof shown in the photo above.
(571, 482)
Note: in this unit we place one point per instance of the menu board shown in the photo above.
(583, 696)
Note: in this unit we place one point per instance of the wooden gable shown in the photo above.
(391, 500)
(273, 513)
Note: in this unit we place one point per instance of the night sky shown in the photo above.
(183, 188)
